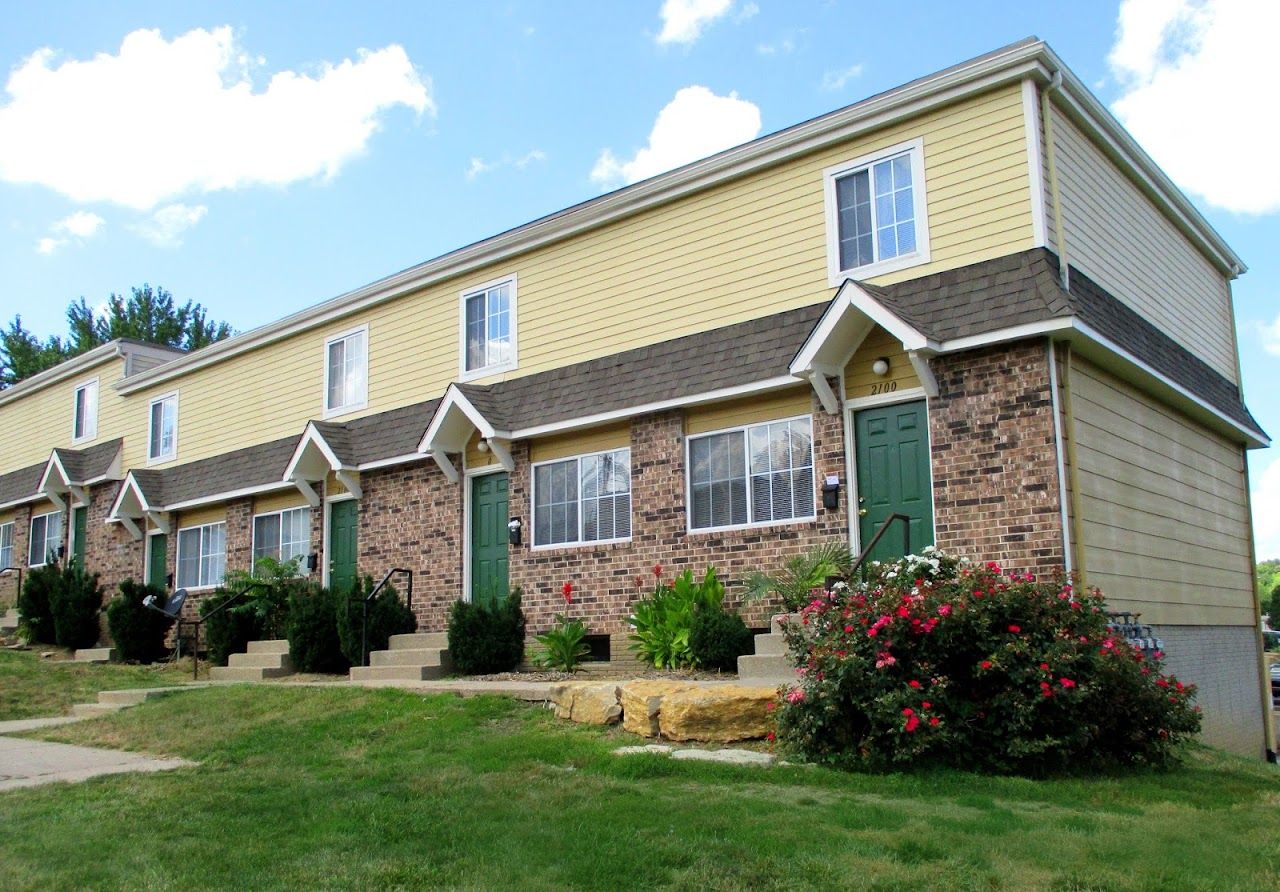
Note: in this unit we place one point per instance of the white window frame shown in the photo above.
(90, 427)
(60, 542)
(172, 453)
(253, 535)
(6, 548)
(362, 399)
(469, 375)
(745, 430)
(921, 255)
(201, 585)
(579, 542)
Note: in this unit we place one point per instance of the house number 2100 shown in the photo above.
(884, 387)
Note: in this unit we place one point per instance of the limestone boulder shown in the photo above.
(642, 704)
(718, 713)
(588, 702)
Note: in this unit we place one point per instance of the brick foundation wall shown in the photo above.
(995, 472)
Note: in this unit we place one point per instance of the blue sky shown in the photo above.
(259, 159)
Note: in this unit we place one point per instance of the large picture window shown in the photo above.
(202, 555)
(583, 499)
(753, 475)
(46, 539)
(488, 328)
(283, 535)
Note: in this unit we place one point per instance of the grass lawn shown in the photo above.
(31, 687)
(357, 788)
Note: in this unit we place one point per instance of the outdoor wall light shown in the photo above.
(881, 366)
(831, 492)
(513, 530)
(482, 446)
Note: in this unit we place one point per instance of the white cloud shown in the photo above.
(162, 118)
(480, 166)
(1266, 511)
(835, 80)
(694, 124)
(1269, 334)
(684, 20)
(165, 227)
(79, 226)
(748, 11)
(1195, 77)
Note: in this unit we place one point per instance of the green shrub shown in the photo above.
(486, 638)
(314, 644)
(718, 638)
(137, 631)
(228, 631)
(75, 602)
(388, 616)
(34, 602)
(663, 622)
(937, 662)
(802, 574)
(564, 646)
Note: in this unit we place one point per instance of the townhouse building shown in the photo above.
(972, 299)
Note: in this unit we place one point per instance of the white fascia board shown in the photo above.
(312, 438)
(851, 297)
(696, 399)
(130, 485)
(54, 463)
(410, 458)
(24, 500)
(1001, 335)
(454, 401)
(1008, 65)
(215, 498)
(61, 371)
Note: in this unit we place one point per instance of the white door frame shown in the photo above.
(852, 407)
(468, 475)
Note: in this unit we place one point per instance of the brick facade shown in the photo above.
(995, 471)
(110, 550)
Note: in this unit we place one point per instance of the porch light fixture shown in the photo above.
(482, 446)
(881, 366)
(831, 492)
(513, 530)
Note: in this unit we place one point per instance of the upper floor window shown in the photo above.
(489, 329)
(283, 535)
(752, 475)
(162, 435)
(202, 555)
(876, 218)
(584, 499)
(6, 545)
(46, 539)
(85, 425)
(346, 372)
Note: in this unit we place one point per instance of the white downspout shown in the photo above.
(1062, 471)
(1060, 237)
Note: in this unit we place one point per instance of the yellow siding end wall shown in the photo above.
(31, 427)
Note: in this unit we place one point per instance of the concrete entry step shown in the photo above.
(432, 656)
(93, 710)
(396, 673)
(261, 661)
(419, 641)
(765, 668)
(9, 620)
(771, 645)
(95, 655)
(275, 646)
(247, 673)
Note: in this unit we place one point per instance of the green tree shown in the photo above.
(147, 314)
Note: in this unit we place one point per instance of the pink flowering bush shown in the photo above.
(938, 662)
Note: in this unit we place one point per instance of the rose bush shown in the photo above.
(934, 661)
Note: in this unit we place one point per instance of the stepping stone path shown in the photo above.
(726, 757)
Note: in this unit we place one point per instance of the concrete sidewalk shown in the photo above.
(29, 763)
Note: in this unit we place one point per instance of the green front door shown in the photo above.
(159, 545)
(893, 476)
(79, 532)
(343, 519)
(489, 538)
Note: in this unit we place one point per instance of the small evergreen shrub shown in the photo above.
(937, 662)
(487, 638)
(718, 638)
(662, 623)
(75, 603)
(388, 616)
(137, 631)
(35, 609)
(228, 631)
(314, 644)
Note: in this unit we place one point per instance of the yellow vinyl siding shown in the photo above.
(1165, 531)
(200, 516)
(278, 501)
(749, 410)
(1121, 240)
(860, 381)
(599, 439)
(736, 251)
(33, 425)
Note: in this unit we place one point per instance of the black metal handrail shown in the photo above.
(195, 624)
(860, 563)
(373, 593)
